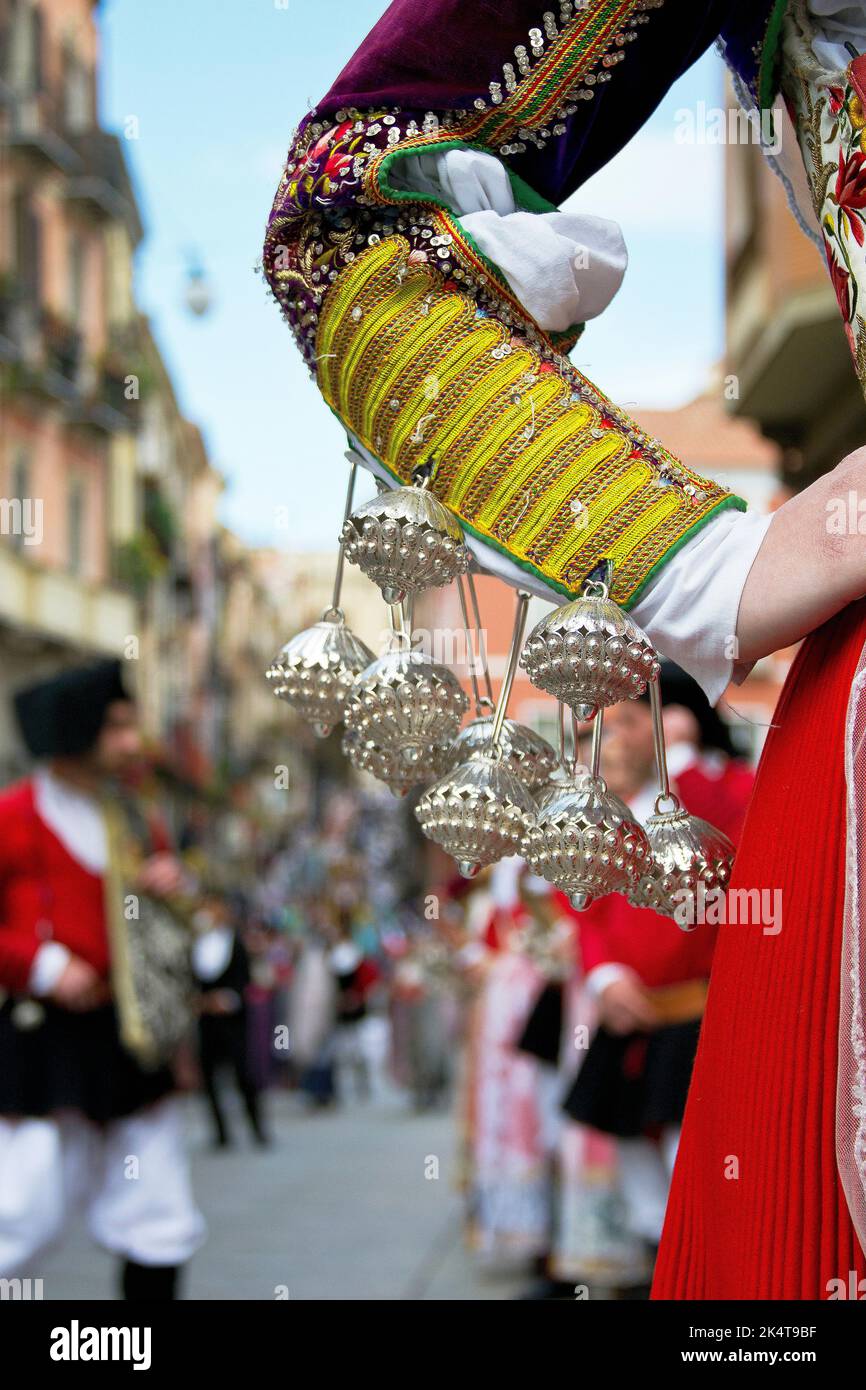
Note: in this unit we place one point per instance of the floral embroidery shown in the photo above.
(840, 279)
(850, 193)
(831, 128)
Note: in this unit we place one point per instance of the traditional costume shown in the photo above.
(418, 255)
(408, 192)
(81, 1092)
(505, 1140)
(537, 1187)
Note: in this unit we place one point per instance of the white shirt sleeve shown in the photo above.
(689, 611)
(601, 976)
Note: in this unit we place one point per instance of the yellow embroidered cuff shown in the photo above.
(528, 454)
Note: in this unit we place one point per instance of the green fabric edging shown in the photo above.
(724, 504)
(768, 69)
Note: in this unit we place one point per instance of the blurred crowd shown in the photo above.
(343, 963)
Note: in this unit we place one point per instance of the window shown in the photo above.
(75, 526)
(25, 50)
(77, 89)
(75, 284)
(27, 246)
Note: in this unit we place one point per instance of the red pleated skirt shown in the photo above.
(756, 1208)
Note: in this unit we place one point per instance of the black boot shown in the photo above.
(148, 1283)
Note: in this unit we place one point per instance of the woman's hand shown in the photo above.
(625, 1007)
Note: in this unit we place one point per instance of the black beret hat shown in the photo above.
(63, 715)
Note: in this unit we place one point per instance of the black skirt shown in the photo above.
(630, 1085)
(51, 1059)
(542, 1033)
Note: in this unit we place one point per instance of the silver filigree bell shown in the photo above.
(523, 751)
(585, 840)
(316, 668)
(688, 854)
(589, 654)
(402, 713)
(480, 812)
(405, 540)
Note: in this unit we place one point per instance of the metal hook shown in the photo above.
(514, 653)
(665, 793)
(341, 553)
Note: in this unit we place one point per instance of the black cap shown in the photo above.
(63, 716)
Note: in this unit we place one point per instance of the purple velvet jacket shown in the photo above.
(441, 54)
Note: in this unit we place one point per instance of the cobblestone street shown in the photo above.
(340, 1207)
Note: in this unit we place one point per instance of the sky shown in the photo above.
(217, 87)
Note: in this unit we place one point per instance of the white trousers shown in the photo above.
(130, 1177)
(645, 1170)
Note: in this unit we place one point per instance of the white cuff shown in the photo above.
(601, 976)
(690, 610)
(48, 965)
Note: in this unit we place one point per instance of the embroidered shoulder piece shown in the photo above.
(421, 348)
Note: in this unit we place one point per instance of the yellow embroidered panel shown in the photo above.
(529, 456)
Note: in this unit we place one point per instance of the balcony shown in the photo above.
(795, 378)
(104, 406)
(35, 132)
(100, 184)
(59, 607)
(98, 180)
(46, 357)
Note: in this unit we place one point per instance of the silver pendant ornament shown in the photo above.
(524, 752)
(689, 856)
(405, 540)
(590, 654)
(480, 811)
(585, 840)
(316, 668)
(401, 715)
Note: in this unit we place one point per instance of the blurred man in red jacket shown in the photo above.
(649, 976)
(85, 1119)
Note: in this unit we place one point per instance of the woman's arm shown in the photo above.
(812, 562)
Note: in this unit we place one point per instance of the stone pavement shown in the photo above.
(346, 1204)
